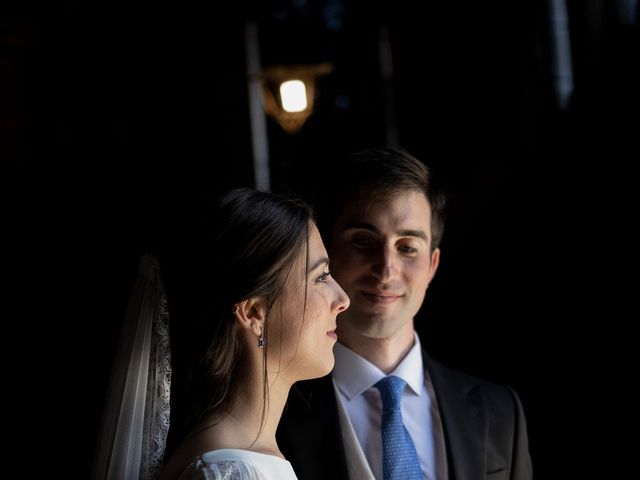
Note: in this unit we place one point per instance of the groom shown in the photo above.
(388, 410)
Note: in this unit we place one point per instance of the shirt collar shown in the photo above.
(354, 374)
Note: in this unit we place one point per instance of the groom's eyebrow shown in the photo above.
(359, 225)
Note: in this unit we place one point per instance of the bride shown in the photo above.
(266, 319)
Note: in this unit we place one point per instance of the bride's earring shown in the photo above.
(261, 340)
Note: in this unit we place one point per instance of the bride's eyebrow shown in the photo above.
(321, 261)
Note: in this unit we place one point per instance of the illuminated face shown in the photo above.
(301, 342)
(381, 255)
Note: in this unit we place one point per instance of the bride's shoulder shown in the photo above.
(228, 468)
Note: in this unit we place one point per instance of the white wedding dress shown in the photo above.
(235, 464)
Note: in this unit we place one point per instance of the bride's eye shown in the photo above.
(323, 277)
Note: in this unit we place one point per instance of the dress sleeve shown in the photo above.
(227, 470)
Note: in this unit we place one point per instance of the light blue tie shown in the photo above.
(399, 457)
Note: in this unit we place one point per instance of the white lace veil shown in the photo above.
(136, 416)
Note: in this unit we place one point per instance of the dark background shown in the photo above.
(118, 118)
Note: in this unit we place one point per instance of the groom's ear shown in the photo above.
(435, 262)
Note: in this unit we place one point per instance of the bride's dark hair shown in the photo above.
(244, 246)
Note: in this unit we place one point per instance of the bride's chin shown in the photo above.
(322, 370)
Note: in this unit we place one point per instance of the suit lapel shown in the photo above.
(463, 419)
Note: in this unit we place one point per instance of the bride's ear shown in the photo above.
(251, 314)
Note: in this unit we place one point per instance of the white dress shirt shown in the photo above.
(355, 378)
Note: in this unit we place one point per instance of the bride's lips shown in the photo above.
(380, 298)
(332, 334)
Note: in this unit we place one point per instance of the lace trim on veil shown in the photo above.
(157, 413)
(136, 418)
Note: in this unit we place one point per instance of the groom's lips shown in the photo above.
(380, 297)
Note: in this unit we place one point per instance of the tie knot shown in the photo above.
(391, 389)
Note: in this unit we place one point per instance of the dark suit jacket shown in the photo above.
(484, 428)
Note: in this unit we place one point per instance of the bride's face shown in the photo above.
(302, 329)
